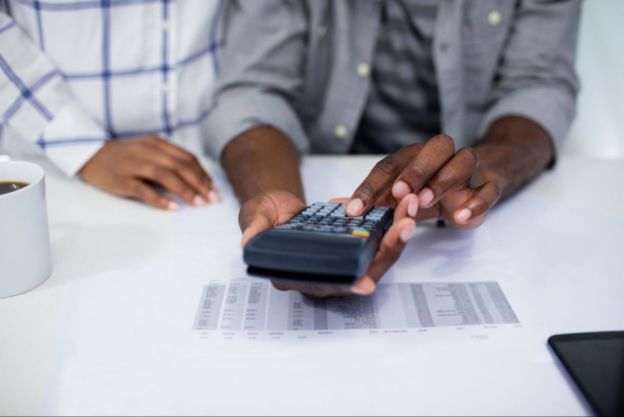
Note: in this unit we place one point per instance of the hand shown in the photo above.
(135, 168)
(448, 184)
(267, 211)
(272, 209)
(421, 182)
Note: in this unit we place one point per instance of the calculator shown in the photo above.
(321, 244)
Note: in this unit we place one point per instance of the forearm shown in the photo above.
(261, 160)
(514, 151)
(59, 120)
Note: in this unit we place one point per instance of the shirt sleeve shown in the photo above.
(262, 72)
(37, 105)
(536, 77)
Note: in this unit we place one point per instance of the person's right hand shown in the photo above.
(136, 168)
(267, 211)
(271, 209)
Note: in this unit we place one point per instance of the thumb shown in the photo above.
(339, 200)
(254, 227)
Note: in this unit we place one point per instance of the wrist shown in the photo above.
(260, 161)
(261, 194)
(513, 152)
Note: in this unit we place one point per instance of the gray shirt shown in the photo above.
(303, 67)
(403, 106)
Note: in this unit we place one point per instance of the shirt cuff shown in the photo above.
(72, 138)
(237, 112)
(549, 107)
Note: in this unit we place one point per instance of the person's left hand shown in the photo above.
(421, 181)
(450, 184)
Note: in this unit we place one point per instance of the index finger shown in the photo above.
(379, 181)
(189, 168)
(389, 252)
(436, 152)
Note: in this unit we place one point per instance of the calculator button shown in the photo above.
(288, 226)
(339, 212)
(331, 218)
(369, 225)
(360, 232)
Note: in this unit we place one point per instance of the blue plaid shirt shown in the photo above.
(76, 73)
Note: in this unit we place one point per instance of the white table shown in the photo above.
(115, 318)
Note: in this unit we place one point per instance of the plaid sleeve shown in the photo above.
(38, 106)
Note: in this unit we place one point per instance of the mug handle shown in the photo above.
(5, 158)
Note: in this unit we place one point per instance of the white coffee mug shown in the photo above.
(25, 259)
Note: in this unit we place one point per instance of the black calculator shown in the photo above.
(321, 244)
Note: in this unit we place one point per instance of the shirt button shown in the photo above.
(494, 18)
(363, 70)
(341, 132)
(322, 31)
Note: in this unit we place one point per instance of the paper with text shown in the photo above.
(255, 306)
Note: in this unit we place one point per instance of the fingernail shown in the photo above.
(407, 233)
(214, 197)
(199, 201)
(412, 207)
(354, 207)
(426, 197)
(463, 215)
(173, 206)
(364, 288)
(400, 189)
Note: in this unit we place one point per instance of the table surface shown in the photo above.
(137, 359)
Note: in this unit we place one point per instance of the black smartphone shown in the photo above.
(595, 361)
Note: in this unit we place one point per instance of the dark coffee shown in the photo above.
(10, 186)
